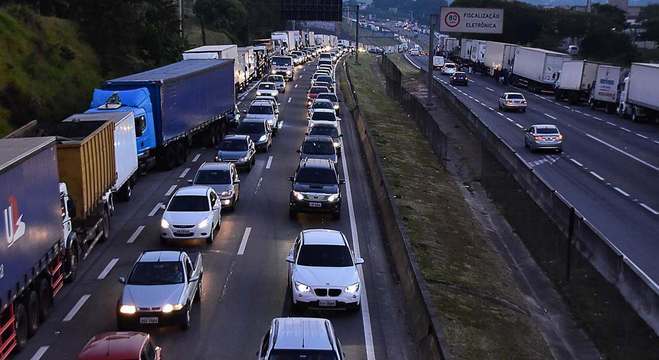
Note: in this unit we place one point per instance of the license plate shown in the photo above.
(315, 204)
(149, 320)
(326, 303)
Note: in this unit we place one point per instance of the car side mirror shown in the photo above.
(163, 206)
(290, 259)
(122, 280)
(237, 181)
(359, 261)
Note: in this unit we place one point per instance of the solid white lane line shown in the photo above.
(641, 135)
(39, 353)
(108, 268)
(170, 190)
(243, 242)
(269, 163)
(587, 114)
(596, 175)
(290, 99)
(576, 162)
(184, 173)
(655, 168)
(72, 313)
(649, 209)
(489, 89)
(196, 157)
(366, 315)
(135, 234)
(550, 116)
(155, 209)
(620, 191)
(519, 126)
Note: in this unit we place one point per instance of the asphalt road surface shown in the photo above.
(609, 168)
(242, 290)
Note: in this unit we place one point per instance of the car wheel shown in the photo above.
(163, 240)
(197, 297)
(292, 213)
(353, 308)
(211, 236)
(336, 215)
(559, 150)
(185, 320)
(523, 110)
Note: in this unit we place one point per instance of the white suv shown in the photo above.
(300, 338)
(192, 213)
(323, 271)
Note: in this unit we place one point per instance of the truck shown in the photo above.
(537, 69)
(247, 61)
(55, 182)
(229, 52)
(261, 57)
(465, 49)
(575, 80)
(293, 36)
(280, 42)
(125, 148)
(311, 39)
(605, 90)
(191, 101)
(639, 98)
(498, 56)
(477, 52)
(451, 44)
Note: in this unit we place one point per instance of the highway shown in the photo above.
(245, 273)
(609, 168)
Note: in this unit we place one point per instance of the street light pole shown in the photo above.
(431, 52)
(356, 34)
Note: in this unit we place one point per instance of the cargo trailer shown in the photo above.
(606, 88)
(537, 69)
(639, 98)
(575, 81)
(229, 52)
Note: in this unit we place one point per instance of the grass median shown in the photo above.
(481, 310)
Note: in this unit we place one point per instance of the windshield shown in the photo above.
(330, 97)
(318, 148)
(323, 115)
(210, 177)
(552, 131)
(275, 78)
(324, 255)
(282, 61)
(264, 86)
(188, 203)
(449, 66)
(316, 176)
(323, 105)
(324, 130)
(250, 128)
(233, 145)
(302, 355)
(260, 109)
(326, 79)
(318, 90)
(156, 273)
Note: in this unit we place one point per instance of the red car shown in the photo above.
(123, 345)
(313, 93)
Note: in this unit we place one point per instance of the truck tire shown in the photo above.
(71, 263)
(106, 226)
(45, 299)
(21, 326)
(32, 307)
(126, 191)
(181, 154)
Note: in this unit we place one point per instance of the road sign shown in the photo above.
(312, 10)
(471, 20)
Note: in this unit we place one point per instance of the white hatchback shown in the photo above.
(192, 213)
(323, 271)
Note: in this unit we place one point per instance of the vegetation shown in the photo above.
(46, 71)
(483, 313)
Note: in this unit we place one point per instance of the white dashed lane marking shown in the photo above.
(155, 209)
(646, 207)
(39, 353)
(135, 234)
(620, 191)
(72, 313)
(596, 175)
(108, 268)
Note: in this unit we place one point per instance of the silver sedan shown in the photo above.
(540, 137)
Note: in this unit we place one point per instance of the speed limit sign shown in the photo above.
(452, 19)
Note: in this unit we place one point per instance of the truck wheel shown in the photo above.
(126, 191)
(71, 263)
(45, 299)
(182, 154)
(635, 117)
(32, 306)
(106, 226)
(21, 326)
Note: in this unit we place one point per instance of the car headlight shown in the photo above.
(333, 197)
(298, 195)
(227, 193)
(258, 93)
(288, 72)
(273, 71)
(352, 289)
(164, 224)
(336, 144)
(303, 288)
(336, 107)
(167, 308)
(263, 137)
(128, 309)
(203, 224)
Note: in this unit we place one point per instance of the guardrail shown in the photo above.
(421, 316)
(637, 288)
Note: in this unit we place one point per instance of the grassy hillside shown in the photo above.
(46, 71)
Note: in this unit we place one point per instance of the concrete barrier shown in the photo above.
(420, 314)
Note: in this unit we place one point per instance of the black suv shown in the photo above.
(315, 188)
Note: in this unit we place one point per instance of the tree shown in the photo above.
(649, 17)
(221, 15)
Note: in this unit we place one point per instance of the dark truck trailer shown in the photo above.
(189, 100)
(32, 249)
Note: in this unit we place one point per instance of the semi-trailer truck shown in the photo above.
(605, 90)
(280, 42)
(56, 207)
(181, 103)
(537, 69)
(575, 80)
(229, 52)
(498, 57)
(639, 98)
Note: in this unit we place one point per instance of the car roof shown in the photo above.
(215, 165)
(302, 333)
(316, 163)
(268, 98)
(192, 190)
(236, 137)
(160, 255)
(114, 345)
(323, 237)
(318, 138)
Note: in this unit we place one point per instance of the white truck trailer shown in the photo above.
(220, 52)
(605, 90)
(498, 56)
(639, 98)
(248, 61)
(575, 80)
(537, 69)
